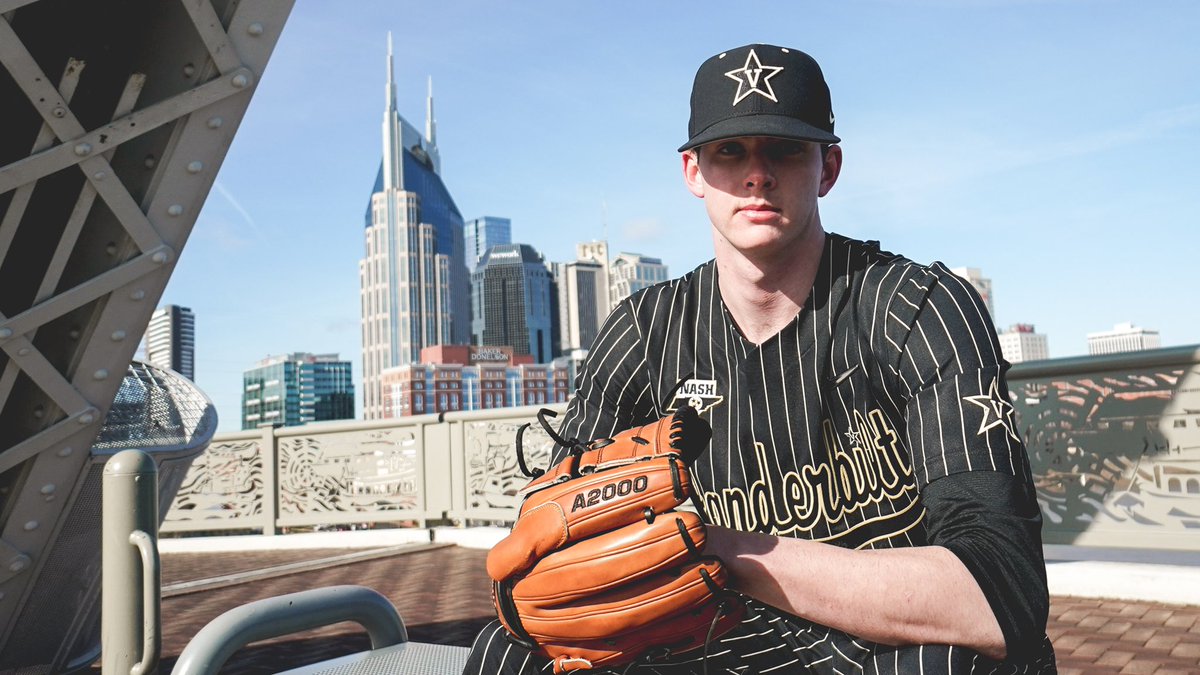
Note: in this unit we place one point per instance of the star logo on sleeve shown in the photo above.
(754, 78)
(997, 412)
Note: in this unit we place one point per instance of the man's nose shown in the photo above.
(759, 173)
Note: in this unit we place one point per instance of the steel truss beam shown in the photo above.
(120, 149)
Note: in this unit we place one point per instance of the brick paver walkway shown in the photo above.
(1111, 636)
(442, 597)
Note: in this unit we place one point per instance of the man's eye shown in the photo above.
(787, 149)
(730, 149)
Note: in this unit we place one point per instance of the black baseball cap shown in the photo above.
(760, 90)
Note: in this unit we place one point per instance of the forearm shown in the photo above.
(920, 595)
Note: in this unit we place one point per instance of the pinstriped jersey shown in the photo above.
(888, 378)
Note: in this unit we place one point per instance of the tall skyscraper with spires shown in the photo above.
(415, 290)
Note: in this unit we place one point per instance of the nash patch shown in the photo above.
(700, 394)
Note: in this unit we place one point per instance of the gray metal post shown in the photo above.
(270, 488)
(130, 638)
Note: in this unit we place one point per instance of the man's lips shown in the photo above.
(758, 212)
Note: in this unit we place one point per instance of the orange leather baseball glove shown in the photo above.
(600, 570)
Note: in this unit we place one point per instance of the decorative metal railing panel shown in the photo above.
(225, 483)
(493, 476)
(1114, 444)
(357, 472)
(461, 467)
(1115, 448)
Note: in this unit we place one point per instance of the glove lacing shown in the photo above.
(573, 445)
(683, 416)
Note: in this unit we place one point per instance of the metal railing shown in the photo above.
(454, 467)
(1114, 444)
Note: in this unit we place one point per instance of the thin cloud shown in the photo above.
(643, 230)
(903, 171)
(1153, 125)
(226, 235)
(254, 228)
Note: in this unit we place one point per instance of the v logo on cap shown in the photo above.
(784, 98)
(749, 76)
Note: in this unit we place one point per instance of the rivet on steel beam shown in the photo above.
(160, 257)
(255, 29)
(49, 488)
(195, 167)
(118, 335)
(215, 122)
(189, 70)
(87, 418)
(150, 161)
(137, 295)
(175, 210)
(100, 175)
(31, 526)
(74, 333)
(18, 563)
(66, 452)
(59, 112)
(23, 351)
(240, 81)
(39, 412)
(5, 333)
(83, 149)
(101, 374)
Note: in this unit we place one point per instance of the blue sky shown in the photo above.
(1053, 144)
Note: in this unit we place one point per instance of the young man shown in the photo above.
(865, 482)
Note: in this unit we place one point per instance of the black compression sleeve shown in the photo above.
(992, 522)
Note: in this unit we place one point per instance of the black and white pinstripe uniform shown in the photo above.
(889, 379)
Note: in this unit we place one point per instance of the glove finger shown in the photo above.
(577, 509)
(680, 634)
(611, 559)
(683, 433)
(632, 607)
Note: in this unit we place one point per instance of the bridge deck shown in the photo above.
(440, 593)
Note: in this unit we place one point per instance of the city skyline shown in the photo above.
(982, 134)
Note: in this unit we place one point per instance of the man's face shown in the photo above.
(761, 192)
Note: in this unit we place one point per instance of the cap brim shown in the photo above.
(776, 126)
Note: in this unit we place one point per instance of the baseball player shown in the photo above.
(865, 483)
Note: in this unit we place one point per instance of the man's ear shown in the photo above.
(831, 168)
(691, 173)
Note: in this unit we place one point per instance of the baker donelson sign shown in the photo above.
(488, 355)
